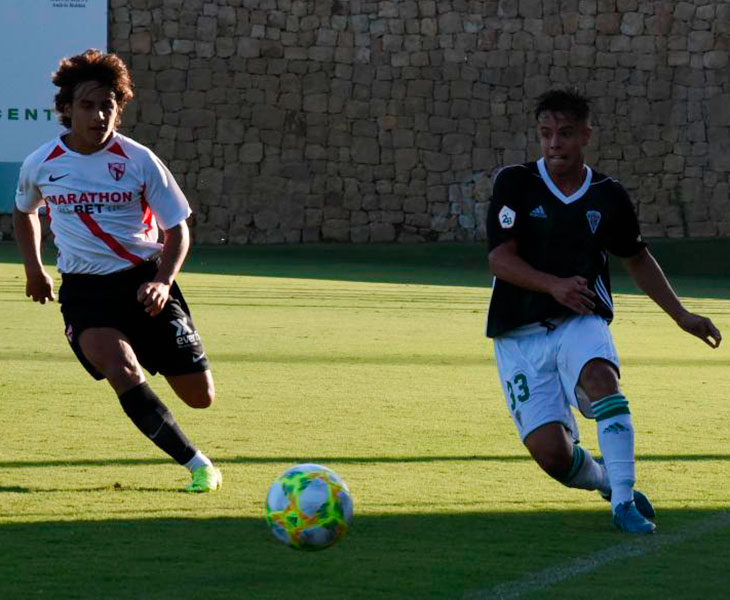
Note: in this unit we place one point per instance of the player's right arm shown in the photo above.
(38, 283)
(27, 225)
(503, 228)
(573, 292)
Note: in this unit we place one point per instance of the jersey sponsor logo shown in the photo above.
(507, 217)
(51, 178)
(182, 327)
(117, 170)
(594, 218)
(90, 198)
(185, 335)
(538, 212)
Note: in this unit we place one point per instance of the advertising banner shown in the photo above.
(34, 36)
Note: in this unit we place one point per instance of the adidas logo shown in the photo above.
(539, 212)
(615, 428)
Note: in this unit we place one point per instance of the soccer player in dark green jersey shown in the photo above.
(551, 226)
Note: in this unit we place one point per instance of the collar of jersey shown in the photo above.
(556, 190)
(63, 145)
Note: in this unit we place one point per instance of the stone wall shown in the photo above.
(355, 121)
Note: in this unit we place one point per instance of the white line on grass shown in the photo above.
(540, 580)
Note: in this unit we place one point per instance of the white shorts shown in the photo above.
(540, 369)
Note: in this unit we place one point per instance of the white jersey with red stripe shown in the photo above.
(104, 207)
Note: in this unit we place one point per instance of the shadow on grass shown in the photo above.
(385, 557)
(487, 458)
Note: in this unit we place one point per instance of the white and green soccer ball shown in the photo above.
(309, 507)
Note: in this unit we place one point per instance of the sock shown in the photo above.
(153, 419)
(199, 460)
(585, 473)
(616, 438)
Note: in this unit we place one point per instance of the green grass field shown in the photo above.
(372, 361)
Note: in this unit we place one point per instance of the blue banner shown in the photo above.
(8, 180)
(34, 36)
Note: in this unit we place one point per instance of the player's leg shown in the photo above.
(590, 377)
(600, 384)
(197, 390)
(170, 344)
(111, 354)
(554, 449)
(540, 410)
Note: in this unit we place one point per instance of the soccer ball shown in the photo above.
(309, 507)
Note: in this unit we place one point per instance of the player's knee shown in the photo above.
(556, 464)
(599, 379)
(201, 397)
(122, 375)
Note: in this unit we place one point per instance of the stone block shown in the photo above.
(632, 24)
(315, 103)
(382, 232)
(508, 8)
(207, 29)
(252, 152)
(171, 80)
(140, 43)
(608, 23)
(673, 163)
(719, 110)
(429, 27)
(456, 143)
(360, 234)
(701, 41)
(266, 219)
(435, 161)
(365, 150)
(248, 47)
(266, 117)
(405, 159)
(716, 59)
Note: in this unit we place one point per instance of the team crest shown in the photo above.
(117, 170)
(594, 218)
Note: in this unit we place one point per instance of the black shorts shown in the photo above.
(168, 343)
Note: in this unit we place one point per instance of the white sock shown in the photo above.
(199, 460)
(616, 438)
(586, 473)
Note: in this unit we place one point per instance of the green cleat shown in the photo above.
(205, 479)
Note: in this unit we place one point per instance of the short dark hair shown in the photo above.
(93, 65)
(566, 101)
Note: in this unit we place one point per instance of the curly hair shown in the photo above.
(566, 101)
(93, 65)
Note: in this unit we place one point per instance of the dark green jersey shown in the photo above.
(557, 234)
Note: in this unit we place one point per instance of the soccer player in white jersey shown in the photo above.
(551, 225)
(105, 195)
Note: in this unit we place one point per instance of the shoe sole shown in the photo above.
(622, 530)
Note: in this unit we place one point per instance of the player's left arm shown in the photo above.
(649, 277)
(154, 294)
(171, 209)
